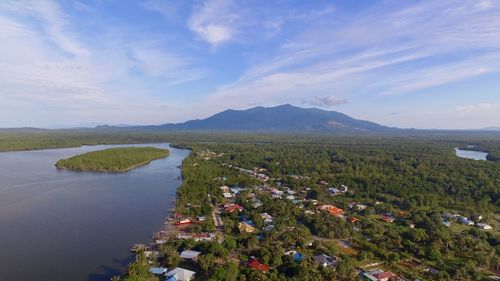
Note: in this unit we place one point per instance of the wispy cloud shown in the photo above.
(209, 55)
(394, 49)
(53, 20)
(47, 65)
(327, 101)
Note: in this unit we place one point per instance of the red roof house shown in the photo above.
(387, 275)
(233, 207)
(353, 219)
(257, 265)
(334, 211)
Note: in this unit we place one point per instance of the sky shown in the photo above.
(409, 64)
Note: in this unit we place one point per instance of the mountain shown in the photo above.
(283, 118)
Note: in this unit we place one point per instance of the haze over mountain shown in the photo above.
(282, 118)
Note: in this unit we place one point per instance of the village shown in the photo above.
(245, 210)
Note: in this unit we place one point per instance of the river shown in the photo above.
(60, 225)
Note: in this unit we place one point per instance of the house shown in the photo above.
(233, 207)
(268, 228)
(246, 227)
(202, 218)
(334, 211)
(447, 223)
(361, 207)
(466, 221)
(484, 226)
(326, 261)
(298, 257)
(353, 219)
(197, 236)
(184, 221)
(477, 218)
(227, 195)
(267, 218)
(225, 189)
(387, 218)
(257, 265)
(159, 271)
(313, 201)
(257, 203)
(180, 274)
(334, 191)
(321, 182)
(190, 255)
(277, 192)
(378, 275)
(237, 189)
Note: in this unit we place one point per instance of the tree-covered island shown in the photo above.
(114, 160)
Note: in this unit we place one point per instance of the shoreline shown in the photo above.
(110, 160)
(169, 228)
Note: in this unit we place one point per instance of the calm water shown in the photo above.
(63, 225)
(471, 154)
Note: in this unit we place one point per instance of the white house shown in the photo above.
(180, 274)
(189, 255)
(484, 226)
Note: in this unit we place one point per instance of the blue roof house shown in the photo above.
(298, 257)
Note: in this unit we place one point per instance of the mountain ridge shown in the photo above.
(281, 118)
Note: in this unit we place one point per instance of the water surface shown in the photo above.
(471, 154)
(60, 225)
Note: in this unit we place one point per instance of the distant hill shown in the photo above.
(283, 118)
(490, 129)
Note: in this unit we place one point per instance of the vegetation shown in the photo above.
(113, 159)
(418, 182)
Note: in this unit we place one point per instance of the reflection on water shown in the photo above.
(65, 225)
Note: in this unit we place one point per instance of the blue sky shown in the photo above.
(421, 64)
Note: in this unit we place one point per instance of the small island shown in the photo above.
(114, 160)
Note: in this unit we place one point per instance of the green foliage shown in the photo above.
(113, 159)
(139, 271)
(171, 256)
(206, 261)
(228, 272)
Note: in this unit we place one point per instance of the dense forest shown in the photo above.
(119, 159)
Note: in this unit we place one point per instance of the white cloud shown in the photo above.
(214, 21)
